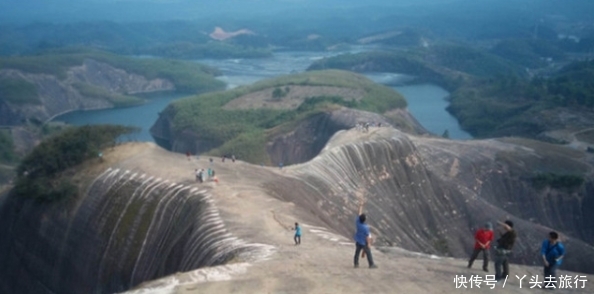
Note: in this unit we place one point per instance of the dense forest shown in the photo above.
(508, 105)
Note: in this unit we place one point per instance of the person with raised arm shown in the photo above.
(362, 238)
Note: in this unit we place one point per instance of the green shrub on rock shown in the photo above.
(39, 174)
(557, 181)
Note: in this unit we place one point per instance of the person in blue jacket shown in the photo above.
(362, 238)
(552, 252)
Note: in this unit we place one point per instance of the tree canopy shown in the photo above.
(39, 174)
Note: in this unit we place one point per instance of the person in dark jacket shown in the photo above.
(552, 252)
(503, 250)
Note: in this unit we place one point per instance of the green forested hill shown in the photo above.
(378, 61)
(446, 65)
(470, 60)
(491, 95)
(189, 77)
(532, 53)
(248, 129)
(511, 106)
(177, 39)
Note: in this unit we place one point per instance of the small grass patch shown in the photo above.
(557, 181)
(18, 91)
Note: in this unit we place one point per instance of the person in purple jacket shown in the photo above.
(362, 239)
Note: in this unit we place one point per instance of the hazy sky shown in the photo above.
(25, 11)
(132, 10)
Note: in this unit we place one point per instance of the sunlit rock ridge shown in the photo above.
(144, 217)
(429, 194)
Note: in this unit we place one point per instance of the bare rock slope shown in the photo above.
(59, 96)
(144, 217)
(424, 198)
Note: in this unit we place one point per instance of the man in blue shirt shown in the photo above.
(362, 238)
(552, 252)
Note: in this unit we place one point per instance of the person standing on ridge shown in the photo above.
(482, 238)
(362, 236)
(297, 237)
(503, 250)
(552, 252)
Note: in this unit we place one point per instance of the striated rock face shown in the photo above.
(59, 96)
(423, 194)
(311, 135)
(430, 194)
(128, 228)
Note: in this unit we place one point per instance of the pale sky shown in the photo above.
(26, 11)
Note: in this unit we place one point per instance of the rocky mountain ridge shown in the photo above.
(421, 194)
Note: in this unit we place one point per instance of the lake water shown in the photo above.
(426, 102)
(237, 72)
(143, 116)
